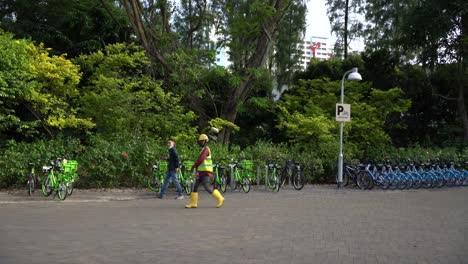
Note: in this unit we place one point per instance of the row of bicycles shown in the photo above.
(59, 178)
(276, 175)
(242, 172)
(405, 176)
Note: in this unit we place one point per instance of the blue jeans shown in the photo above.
(171, 174)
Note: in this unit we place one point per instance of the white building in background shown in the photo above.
(316, 47)
(222, 58)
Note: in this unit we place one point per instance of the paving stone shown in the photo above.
(318, 224)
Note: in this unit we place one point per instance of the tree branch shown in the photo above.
(446, 97)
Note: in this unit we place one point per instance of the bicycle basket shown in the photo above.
(247, 165)
(163, 166)
(188, 164)
(70, 166)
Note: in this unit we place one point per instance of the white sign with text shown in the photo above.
(343, 112)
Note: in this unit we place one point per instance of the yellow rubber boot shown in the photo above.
(193, 201)
(217, 195)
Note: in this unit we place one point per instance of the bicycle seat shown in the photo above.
(361, 166)
(46, 168)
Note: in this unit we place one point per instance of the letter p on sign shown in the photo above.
(343, 112)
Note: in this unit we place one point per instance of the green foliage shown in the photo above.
(121, 96)
(219, 122)
(15, 168)
(72, 27)
(306, 117)
(39, 89)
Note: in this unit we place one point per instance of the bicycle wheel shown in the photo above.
(31, 185)
(188, 186)
(277, 183)
(46, 188)
(153, 183)
(364, 180)
(298, 180)
(465, 179)
(284, 176)
(345, 178)
(281, 180)
(271, 179)
(384, 182)
(245, 184)
(69, 188)
(62, 191)
(223, 179)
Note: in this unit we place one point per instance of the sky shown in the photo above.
(319, 25)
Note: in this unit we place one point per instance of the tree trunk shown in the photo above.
(345, 42)
(145, 35)
(462, 110)
(461, 106)
(256, 60)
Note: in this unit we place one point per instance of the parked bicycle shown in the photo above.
(242, 173)
(220, 178)
(156, 179)
(292, 170)
(31, 183)
(186, 176)
(54, 181)
(70, 174)
(273, 178)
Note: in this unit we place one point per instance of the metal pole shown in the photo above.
(232, 177)
(258, 176)
(340, 156)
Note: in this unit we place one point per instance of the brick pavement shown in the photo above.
(316, 225)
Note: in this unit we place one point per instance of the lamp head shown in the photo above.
(354, 75)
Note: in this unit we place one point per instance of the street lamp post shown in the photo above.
(353, 76)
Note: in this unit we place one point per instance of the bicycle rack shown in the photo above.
(258, 175)
(231, 183)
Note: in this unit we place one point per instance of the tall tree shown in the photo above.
(344, 22)
(38, 91)
(72, 27)
(247, 28)
(288, 50)
(437, 32)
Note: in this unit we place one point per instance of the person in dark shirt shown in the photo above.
(172, 170)
(204, 166)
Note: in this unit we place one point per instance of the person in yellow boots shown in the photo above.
(204, 166)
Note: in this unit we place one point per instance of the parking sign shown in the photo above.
(343, 112)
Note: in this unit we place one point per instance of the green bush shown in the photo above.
(102, 164)
(14, 167)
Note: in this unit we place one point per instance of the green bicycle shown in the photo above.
(220, 178)
(70, 168)
(156, 179)
(273, 179)
(54, 181)
(186, 177)
(242, 173)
